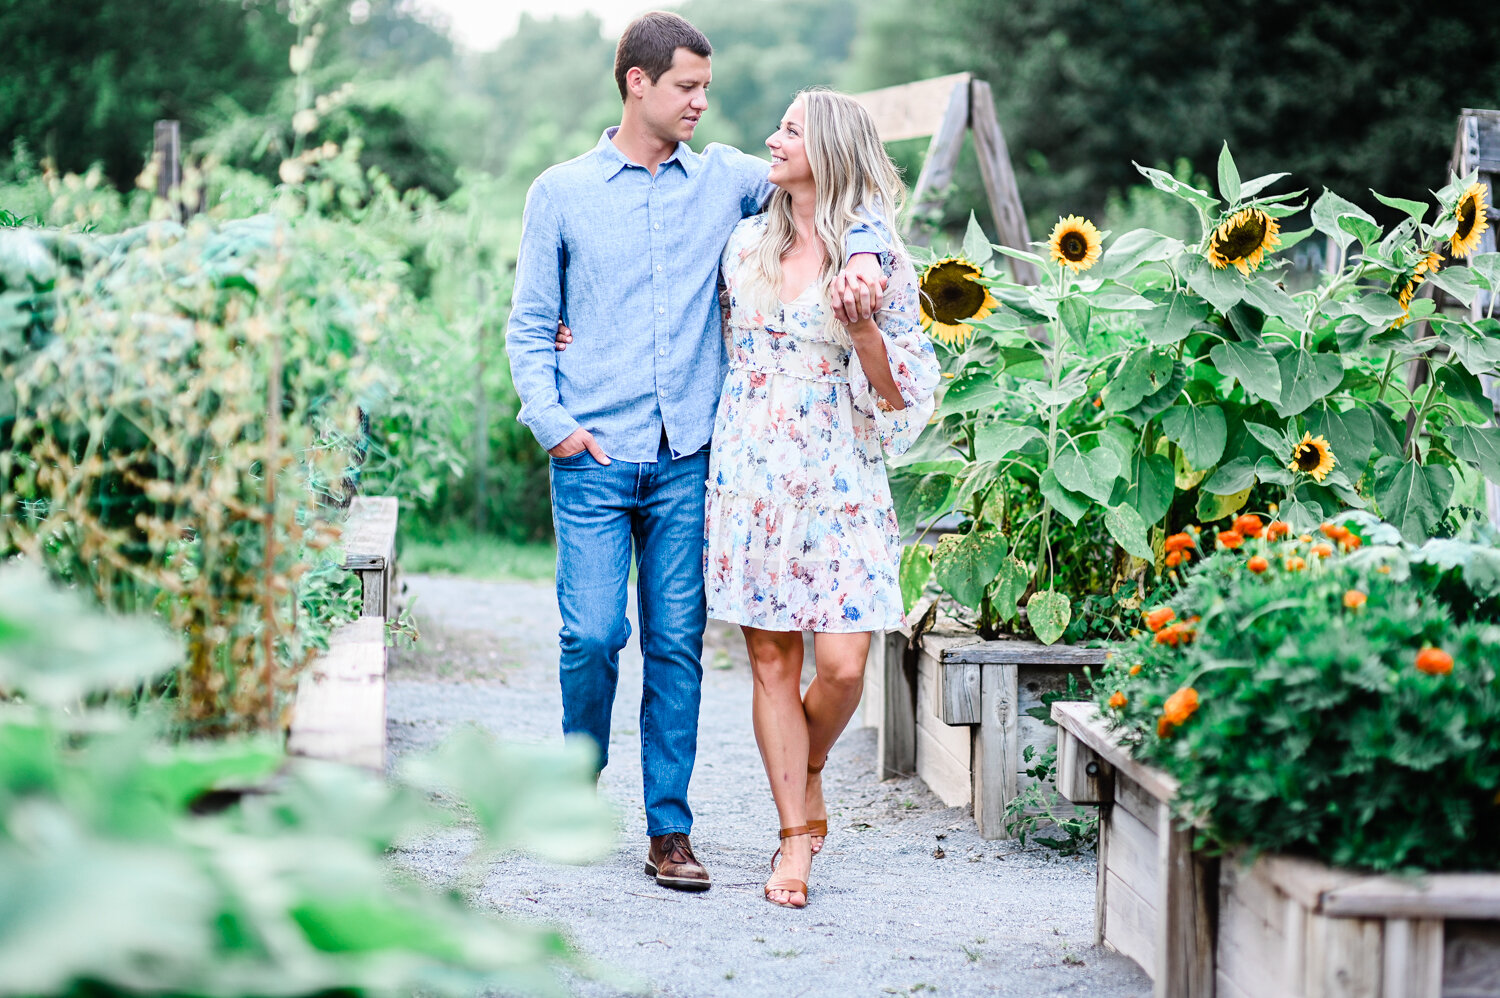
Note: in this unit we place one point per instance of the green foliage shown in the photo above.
(1316, 730)
(1039, 808)
(131, 866)
(1167, 382)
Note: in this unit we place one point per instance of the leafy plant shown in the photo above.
(1334, 695)
(1125, 395)
(133, 866)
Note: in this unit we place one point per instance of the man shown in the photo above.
(623, 244)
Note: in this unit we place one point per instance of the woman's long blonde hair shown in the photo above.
(855, 181)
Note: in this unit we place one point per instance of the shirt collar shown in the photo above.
(612, 160)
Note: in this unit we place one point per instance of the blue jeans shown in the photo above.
(599, 512)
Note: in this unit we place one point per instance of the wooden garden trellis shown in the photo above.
(947, 108)
(1477, 148)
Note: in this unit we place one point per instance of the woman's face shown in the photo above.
(789, 165)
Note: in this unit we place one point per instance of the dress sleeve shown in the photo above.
(913, 361)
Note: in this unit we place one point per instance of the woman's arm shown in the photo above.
(869, 343)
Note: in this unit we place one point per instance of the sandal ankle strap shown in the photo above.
(794, 831)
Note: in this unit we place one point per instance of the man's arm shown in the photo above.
(536, 305)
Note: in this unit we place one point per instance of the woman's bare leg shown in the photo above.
(781, 734)
(830, 701)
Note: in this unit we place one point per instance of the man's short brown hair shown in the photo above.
(651, 41)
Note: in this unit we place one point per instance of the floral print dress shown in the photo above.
(800, 532)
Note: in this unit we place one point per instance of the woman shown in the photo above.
(801, 534)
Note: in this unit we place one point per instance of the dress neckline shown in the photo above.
(800, 295)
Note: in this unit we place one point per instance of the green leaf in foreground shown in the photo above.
(1048, 612)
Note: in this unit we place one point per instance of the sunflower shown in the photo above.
(1471, 212)
(1428, 265)
(1242, 239)
(1313, 456)
(1075, 243)
(952, 297)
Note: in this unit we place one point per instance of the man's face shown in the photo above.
(673, 104)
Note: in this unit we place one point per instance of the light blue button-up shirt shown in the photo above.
(630, 261)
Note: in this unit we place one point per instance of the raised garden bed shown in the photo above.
(1282, 927)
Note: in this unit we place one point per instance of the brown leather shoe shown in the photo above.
(671, 861)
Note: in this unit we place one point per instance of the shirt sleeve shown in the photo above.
(913, 361)
(536, 306)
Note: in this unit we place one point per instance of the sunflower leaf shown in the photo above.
(1250, 188)
(970, 391)
(1272, 300)
(1070, 504)
(1327, 212)
(1175, 318)
(1128, 529)
(916, 569)
(1415, 209)
(1232, 476)
(965, 564)
(1168, 184)
(1134, 248)
(1480, 446)
(1290, 239)
(1151, 486)
(1074, 312)
(1048, 612)
(995, 440)
(1222, 288)
(977, 249)
(1271, 471)
(1478, 354)
(1008, 587)
(1229, 176)
(1366, 231)
(1091, 472)
(1016, 254)
(1200, 430)
(1412, 496)
(1305, 378)
(1465, 390)
(1458, 282)
(1375, 307)
(1142, 375)
(1351, 435)
(1213, 507)
(1301, 515)
(917, 498)
(1487, 267)
(1256, 370)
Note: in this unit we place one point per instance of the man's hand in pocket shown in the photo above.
(578, 441)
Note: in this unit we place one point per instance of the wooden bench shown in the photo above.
(339, 712)
(1282, 927)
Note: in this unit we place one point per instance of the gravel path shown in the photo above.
(906, 898)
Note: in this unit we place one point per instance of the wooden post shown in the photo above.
(996, 753)
(945, 108)
(898, 733)
(1477, 148)
(167, 154)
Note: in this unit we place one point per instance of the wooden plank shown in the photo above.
(1412, 964)
(1471, 960)
(1101, 867)
(872, 695)
(995, 753)
(1447, 895)
(1187, 909)
(1013, 652)
(1133, 854)
(999, 179)
(941, 160)
(1083, 720)
(339, 713)
(946, 774)
(1252, 943)
(898, 730)
(1132, 798)
(1343, 958)
(943, 753)
(1082, 777)
(1129, 922)
(369, 535)
(1304, 880)
(911, 110)
(1224, 987)
(958, 692)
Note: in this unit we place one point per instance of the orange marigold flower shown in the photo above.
(1354, 599)
(1174, 558)
(1322, 550)
(1434, 661)
(1163, 727)
(1179, 542)
(1135, 670)
(1118, 700)
(1249, 524)
(1230, 539)
(1305, 538)
(1257, 564)
(1295, 564)
(1384, 570)
(1168, 635)
(1180, 706)
(1098, 402)
(1334, 531)
(1160, 617)
(1277, 528)
(1350, 542)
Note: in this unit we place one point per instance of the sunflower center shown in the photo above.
(1307, 457)
(952, 293)
(1243, 239)
(1468, 212)
(1073, 246)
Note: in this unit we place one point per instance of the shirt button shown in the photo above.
(661, 310)
(662, 351)
(658, 268)
(656, 225)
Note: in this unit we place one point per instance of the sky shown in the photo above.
(481, 24)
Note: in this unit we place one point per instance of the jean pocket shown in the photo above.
(582, 459)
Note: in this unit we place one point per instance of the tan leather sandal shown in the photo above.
(790, 886)
(818, 826)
